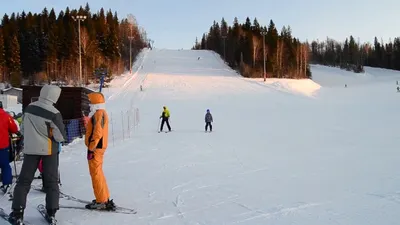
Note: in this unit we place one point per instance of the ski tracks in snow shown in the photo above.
(274, 212)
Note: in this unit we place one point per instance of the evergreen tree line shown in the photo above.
(353, 55)
(44, 47)
(241, 45)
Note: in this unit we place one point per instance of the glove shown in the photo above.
(90, 155)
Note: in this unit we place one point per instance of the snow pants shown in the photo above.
(6, 172)
(99, 182)
(50, 181)
(162, 124)
(208, 124)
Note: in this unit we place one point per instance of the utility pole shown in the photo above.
(130, 51)
(79, 18)
(132, 22)
(263, 33)
(224, 37)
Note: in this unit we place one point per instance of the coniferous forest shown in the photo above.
(353, 55)
(44, 47)
(286, 57)
(242, 47)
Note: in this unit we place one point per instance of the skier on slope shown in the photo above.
(42, 128)
(208, 119)
(96, 140)
(7, 126)
(165, 119)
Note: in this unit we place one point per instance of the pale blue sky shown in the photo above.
(176, 23)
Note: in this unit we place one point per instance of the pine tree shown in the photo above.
(48, 44)
(2, 57)
(287, 57)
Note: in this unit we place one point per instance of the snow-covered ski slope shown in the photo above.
(281, 153)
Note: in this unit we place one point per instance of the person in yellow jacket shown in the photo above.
(165, 119)
(96, 140)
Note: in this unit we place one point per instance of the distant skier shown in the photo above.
(208, 119)
(42, 128)
(96, 141)
(165, 119)
(7, 126)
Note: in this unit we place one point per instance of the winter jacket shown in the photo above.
(42, 125)
(165, 113)
(97, 127)
(7, 126)
(208, 118)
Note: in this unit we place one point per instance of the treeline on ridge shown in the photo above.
(242, 47)
(353, 55)
(44, 47)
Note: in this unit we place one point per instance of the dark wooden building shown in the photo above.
(73, 102)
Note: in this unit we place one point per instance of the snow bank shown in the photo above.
(335, 77)
(304, 86)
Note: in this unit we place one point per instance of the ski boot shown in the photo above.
(109, 205)
(51, 216)
(96, 205)
(4, 188)
(16, 217)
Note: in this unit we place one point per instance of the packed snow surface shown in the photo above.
(281, 152)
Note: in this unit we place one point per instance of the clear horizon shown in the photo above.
(176, 24)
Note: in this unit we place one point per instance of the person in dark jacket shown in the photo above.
(208, 119)
(165, 119)
(43, 129)
(7, 126)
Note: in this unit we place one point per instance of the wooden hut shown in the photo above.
(73, 102)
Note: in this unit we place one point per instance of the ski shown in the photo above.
(72, 198)
(42, 210)
(118, 210)
(6, 217)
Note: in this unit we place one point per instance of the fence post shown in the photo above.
(123, 130)
(129, 125)
(137, 116)
(112, 129)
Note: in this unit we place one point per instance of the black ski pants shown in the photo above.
(208, 124)
(50, 181)
(165, 120)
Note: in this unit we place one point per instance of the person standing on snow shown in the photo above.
(165, 119)
(96, 140)
(43, 129)
(7, 126)
(208, 119)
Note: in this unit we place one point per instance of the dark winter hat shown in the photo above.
(208, 110)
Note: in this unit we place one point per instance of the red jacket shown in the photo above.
(7, 126)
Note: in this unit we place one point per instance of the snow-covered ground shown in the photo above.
(282, 152)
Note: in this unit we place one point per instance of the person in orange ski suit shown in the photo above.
(96, 140)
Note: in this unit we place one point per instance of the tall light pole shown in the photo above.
(263, 33)
(130, 51)
(79, 18)
(132, 22)
(224, 37)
